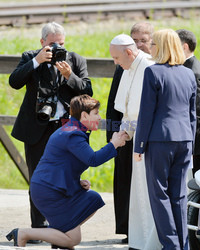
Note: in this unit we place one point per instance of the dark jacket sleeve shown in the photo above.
(146, 113)
(193, 111)
(79, 147)
(24, 70)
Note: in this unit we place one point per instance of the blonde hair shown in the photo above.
(168, 47)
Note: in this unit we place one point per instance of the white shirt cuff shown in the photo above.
(35, 63)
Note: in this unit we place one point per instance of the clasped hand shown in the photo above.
(119, 139)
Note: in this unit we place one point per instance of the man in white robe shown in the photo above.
(141, 32)
(134, 61)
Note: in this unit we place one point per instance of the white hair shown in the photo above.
(52, 28)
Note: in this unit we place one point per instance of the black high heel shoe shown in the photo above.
(13, 236)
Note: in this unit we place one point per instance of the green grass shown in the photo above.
(88, 40)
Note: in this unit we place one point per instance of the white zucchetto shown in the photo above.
(122, 39)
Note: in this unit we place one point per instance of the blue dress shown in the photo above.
(55, 185)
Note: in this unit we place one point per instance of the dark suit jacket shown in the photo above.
(168, 109)
(194, 65)
(27, 127)
(113, 117)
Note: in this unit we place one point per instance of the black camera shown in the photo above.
(59, 53)
(46, 108)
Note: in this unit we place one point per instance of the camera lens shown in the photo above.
(58, 53)
(45, 113)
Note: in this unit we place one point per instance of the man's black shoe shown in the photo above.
(125, 241)
(34, 241)
(58, 247)
(42, 225)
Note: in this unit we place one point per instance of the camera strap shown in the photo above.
(57, 78)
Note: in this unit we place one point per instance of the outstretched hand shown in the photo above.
(85, 184)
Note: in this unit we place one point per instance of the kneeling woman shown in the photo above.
(56, 188)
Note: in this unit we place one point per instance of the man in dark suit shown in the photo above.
(189, 43)
(141, 33)
(50, 85)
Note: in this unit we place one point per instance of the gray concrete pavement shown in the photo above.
(97, 233)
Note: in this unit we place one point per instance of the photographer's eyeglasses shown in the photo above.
(140, 41)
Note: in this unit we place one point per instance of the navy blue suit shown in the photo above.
(165, 133)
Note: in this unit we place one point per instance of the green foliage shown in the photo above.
(89, 41)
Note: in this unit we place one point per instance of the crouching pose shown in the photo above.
(56, 189)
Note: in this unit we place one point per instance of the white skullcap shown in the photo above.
(122, 39)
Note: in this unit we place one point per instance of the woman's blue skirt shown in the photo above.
(64, 212)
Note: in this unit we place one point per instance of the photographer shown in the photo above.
(52, 77)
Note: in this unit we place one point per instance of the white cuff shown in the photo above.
(35, 63)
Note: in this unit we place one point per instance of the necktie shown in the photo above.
(53, 74)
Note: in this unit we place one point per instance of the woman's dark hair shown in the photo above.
(82, 103)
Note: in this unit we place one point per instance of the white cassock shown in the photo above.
(142, 233)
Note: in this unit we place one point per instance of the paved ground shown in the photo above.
(98, 233)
